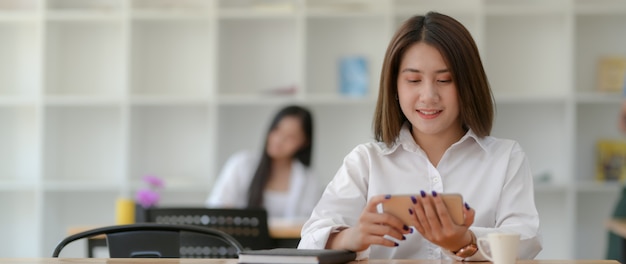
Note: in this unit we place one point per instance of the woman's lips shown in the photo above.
(429, 114)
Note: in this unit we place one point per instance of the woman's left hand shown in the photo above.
(433, 221)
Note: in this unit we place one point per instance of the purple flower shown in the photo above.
(153, 181)
(147, 198)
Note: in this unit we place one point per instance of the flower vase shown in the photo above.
(141, 213)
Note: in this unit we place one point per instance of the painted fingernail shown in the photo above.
(395, 244)
(411, 231)
(405, 227)
(387, 196)
(414, 199)
(403, 237)
(410, 211)
(434, 194)
(467, 206)
(423, 193)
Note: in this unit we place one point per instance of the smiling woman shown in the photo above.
(279, 179)
(432, 122)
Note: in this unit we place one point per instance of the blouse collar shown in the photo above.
(405, 139)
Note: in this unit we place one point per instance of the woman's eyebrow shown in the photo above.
(418, 71)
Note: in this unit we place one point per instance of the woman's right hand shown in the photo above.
(370, 230)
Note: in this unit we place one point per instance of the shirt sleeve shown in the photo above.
(230, 189)
(341, 203)
(516, 210)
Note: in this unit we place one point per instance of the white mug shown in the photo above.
(499, 248)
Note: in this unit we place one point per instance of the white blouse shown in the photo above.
(493, 175)
(231, 188)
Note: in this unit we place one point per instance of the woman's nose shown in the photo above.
(429, 92)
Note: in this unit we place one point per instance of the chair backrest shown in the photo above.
(248, 226)
(146, 240)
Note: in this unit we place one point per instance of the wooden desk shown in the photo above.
(234, 261)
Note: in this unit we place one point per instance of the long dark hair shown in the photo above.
(263, 170)
(459, 50)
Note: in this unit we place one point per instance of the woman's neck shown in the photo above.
(280, 175)
(436, 145)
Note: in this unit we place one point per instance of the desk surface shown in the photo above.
(234, 261)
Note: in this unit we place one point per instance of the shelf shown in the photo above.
(19, 58)
(532, 7)
(338, 129)
(512, 47)
(346, 8)
(594, 121)
(65, 209)
(171, 9)
(407, 8)
(20, 214)
(163, 100)
(17, 16)
(175, 184)
(84, 59)
(96, 94)
(598, 98)
(159, 15)
(188, 197)
(242, 9)
(597, 36)
(600, 7)
(172, 142)
(275, 48)
(507, 97)
(83, 16)
(19, 154)
(171, 58)
(593, 208)
(551, 206)
(82, 100)
(18, 186)
(17, 101)
(550, 188)
(82, 186)
(83, 144)
(324, 53)
(517, 122)
(84, 6)
(598, 187)
(337, 99)
(262, 99)
(19, 5)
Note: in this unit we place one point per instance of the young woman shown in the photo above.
(432, 123)
(279, 179)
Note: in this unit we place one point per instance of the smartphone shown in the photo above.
(398, 206)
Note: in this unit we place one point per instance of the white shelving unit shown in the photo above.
(96, 94)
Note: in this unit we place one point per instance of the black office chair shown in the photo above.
(248, 226)
(150, 240)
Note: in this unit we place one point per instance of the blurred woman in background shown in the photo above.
(279, 179)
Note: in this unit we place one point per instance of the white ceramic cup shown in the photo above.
(499, 248)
